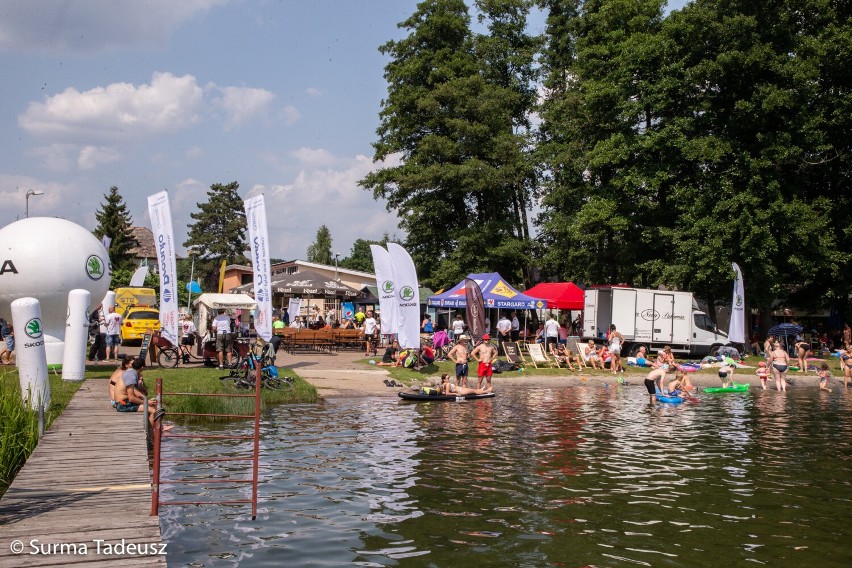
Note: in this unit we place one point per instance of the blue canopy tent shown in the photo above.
(496, 292)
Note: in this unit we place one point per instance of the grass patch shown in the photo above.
(19, 424)
(206, 380)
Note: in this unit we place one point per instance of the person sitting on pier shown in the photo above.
(115, 378)
(128, 397)
(447, 387)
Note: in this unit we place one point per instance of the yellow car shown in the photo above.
(138, 321)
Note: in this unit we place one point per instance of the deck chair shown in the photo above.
(561, 360)
(579, 351)
(514, 353)
(537, 355)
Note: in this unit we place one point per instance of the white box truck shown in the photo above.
(653, 318)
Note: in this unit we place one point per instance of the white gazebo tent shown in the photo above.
(207, 304)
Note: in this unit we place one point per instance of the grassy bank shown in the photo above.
(206, 380)
(19, 424)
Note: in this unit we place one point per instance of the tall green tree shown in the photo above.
(462, 183)
(320, 250)
(599, 142)
(218, 233)
(115, 222)
(361, 256)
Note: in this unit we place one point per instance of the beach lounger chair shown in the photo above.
(514, 353)
(538, 357)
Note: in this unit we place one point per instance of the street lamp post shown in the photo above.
(336, 257)
(30, 193)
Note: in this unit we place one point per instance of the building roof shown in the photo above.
(143, 243)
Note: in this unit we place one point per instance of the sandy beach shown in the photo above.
(345, 375)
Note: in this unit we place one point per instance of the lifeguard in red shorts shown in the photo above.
(485, 354)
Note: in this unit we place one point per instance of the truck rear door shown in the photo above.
(590, 313)
(663, 330)
(624, 311)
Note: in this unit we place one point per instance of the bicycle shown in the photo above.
(243, 374)
(169, 355)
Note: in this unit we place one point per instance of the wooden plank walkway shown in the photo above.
(87, 480)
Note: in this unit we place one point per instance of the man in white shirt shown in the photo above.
(369, 333)
(551, 333)
(516, 327)
(113, 333)
(224, 338)
(504, 332)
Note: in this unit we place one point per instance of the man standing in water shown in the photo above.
(460, 355)
(485, 354)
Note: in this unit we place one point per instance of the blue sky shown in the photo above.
(281, 96)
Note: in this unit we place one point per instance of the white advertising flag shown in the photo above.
(387, 289)
(164, 243)
(408, 296)
(259, 245)
(736, 331)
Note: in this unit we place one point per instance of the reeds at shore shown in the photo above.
(19, 424)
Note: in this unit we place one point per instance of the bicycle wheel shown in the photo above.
(168, 358)
(235, 382)
(274, 383)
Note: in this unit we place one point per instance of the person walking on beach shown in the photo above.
(779, 361)
(485, 354)
(803, 349)
(370, 326)
(113, 334)
(460, 356)
(615, 340)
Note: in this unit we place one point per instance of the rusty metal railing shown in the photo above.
(160, 435)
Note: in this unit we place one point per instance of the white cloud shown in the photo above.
(121, 114)
(313, 92)
(289, 115)
(325, 191)
(92, 156)
(242, 104)
(117, 111)
(89, 26)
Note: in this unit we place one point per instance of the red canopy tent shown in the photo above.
(560, 295)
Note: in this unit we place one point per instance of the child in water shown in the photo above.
(762, 373)
(726, 374)
(824, 375)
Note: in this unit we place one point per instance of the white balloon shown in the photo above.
(45, 258)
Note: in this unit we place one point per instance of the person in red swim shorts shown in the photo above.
(485, 354)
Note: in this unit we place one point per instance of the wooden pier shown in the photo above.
(84, 495)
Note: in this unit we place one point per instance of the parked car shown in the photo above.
(138, 321)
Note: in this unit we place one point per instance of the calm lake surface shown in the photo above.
(587, 476)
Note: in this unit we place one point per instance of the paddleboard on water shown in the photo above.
(735, 388)
(669, 399)
(438, 397)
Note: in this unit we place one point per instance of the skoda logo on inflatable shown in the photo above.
(406, 294)
(33, 328)
(387, 287)
(94, 267)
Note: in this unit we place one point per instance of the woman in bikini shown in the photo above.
(804, 349)
(447, 387)
(846, 365)
(779, 363)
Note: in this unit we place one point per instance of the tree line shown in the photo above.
(625, 145)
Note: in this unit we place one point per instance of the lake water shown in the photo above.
(587, 476)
